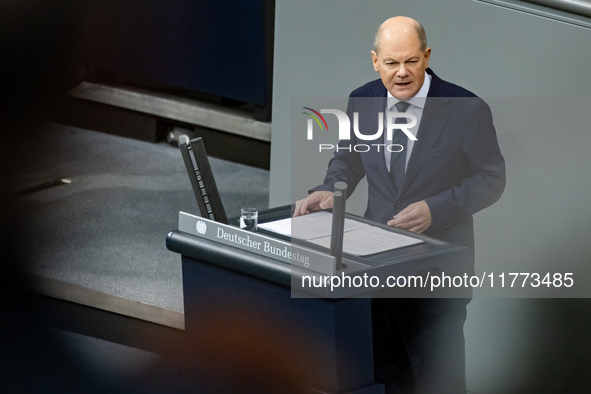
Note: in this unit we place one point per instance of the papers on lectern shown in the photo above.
(360, 239)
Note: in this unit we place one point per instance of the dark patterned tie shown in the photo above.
(398, 159)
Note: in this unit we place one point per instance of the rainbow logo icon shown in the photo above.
(317, 117)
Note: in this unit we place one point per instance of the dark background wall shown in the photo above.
(219, 48)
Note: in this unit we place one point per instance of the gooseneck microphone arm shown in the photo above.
(338, 223)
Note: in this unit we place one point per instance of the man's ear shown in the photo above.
(374, 59)
(427, 56)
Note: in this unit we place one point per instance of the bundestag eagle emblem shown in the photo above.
(201, 227)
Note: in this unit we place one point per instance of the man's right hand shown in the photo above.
(314, 202)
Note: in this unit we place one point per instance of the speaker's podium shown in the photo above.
(294, 310)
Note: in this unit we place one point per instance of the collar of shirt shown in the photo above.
(418, 99)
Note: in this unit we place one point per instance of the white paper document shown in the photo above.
(360, 239)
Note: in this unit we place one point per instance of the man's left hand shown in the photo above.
(416, 218)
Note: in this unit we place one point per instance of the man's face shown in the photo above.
(401, 63)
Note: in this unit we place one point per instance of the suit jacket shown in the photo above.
(456, 165)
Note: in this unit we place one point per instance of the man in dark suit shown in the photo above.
(432, 184)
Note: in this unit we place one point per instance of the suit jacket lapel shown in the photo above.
(369, 108)
(435, 117)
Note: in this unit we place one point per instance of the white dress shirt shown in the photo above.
(417, 103)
